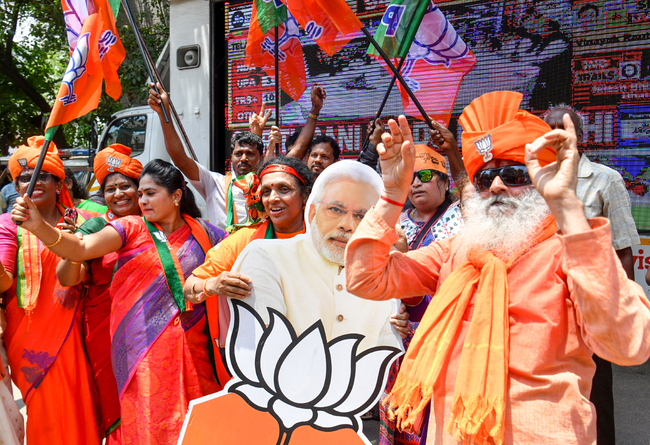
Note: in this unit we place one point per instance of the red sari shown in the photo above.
(45, 347)
(159, 354)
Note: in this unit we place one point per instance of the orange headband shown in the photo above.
(281, 168)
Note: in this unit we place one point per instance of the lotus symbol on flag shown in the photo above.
(301, 381)
(76, 68)
(291, 31)
(436, 42)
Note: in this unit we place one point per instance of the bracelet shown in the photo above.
(390, 201)
(192, 291)
(74, 262)
(57, 241)
(205, 292)
(313, 116)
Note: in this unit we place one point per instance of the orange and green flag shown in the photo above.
(330, 23)
(260, 47)
(96, 53)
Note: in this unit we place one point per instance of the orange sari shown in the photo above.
(46, 352)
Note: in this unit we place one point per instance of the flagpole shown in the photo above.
(138, 38)
(175, 115)
(277, 84)
(383, 102)
(397, 74)
(49, 135)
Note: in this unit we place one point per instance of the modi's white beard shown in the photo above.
(331, 253)
(503, 229)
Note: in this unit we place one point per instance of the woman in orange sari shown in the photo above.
(118, 175)
(44, 337)
(158, 350)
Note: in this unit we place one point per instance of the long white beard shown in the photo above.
(331, 253)
(503, 229)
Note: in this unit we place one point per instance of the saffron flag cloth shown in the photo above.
(398, 26)
(260, 47)
(96, 53)
(437, 61)
(330, 23)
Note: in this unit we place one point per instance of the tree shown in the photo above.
(32, 64)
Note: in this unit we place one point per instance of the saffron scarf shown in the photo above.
(250, 185)
(479, 404)
(29, 268)
(169, 261)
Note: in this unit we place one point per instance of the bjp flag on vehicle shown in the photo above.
(96, 53)
(330, 23)
(260, 47)
(437, 58)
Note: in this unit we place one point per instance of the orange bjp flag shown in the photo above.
(260, 47)
(330, 23)
(96, 53)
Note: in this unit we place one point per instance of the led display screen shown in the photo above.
(594, 55)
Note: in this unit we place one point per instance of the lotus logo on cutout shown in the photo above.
(391, 19)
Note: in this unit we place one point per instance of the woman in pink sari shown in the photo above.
(159, 347)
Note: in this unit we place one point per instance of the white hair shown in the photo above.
(505, 228)
(351, 170)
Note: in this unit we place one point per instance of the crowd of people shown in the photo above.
(511, 292)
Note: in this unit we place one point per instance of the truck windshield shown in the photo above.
(130, 131)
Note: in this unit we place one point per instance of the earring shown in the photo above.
(58, 192)
(176, 203)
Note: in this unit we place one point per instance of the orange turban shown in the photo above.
(427, 158)
(27, 156)
(115, 159)
(495, 128)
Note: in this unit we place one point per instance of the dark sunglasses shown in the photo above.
(511, 175)
(43, 178)
(423, 175)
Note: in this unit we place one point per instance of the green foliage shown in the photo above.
(42, 56)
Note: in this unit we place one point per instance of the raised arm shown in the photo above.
(275, 138)
(173, 143)
(257, 122)
(444, 139)
(557, 181)
(300, 147)
(63, 244)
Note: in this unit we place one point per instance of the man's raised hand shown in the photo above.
(396, 158)
(257, 122)
(557, 181)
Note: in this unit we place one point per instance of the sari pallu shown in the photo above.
(45, 346)
(159, 354)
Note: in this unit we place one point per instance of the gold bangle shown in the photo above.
(74, 262)
(313, 116)
(58, 239)
(205, 292)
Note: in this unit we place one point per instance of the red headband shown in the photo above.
(275, 168)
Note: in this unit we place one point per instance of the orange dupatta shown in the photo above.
(479, 405)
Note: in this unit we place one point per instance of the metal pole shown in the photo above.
(175, 115)
(397, 74)
(277, 84)
(138, 38)
(383, 102)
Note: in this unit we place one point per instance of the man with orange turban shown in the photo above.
(44, 332)
(503, 353)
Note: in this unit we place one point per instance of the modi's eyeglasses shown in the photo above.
(423, 175)
(511, 175)
(43, 178)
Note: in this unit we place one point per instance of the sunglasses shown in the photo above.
(43, 178)
(511, 175)
(423, 175)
